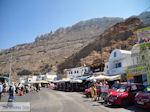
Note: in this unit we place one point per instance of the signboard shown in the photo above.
(144, 37)
(137, 69)
(130, 76)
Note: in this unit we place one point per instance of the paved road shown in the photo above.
(48, 100)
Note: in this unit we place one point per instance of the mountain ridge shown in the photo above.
(53, 48)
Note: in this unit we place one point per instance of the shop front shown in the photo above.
(138, 74)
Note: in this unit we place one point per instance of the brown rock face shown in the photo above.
(121, 35)
(50, 49)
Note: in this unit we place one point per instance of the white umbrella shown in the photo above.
(91, 78)
(76, 81)
(102, 77)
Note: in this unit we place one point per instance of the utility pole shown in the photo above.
(10, 68)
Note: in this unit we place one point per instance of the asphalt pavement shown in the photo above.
(48, 100)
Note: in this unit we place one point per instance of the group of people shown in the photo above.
(14, 88)
(100, 92)
(7, 88)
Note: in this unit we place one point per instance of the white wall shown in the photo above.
(74, 72)
(118, 62)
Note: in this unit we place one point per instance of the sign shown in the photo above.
(130, 76)
(144, 37)
(137, 69)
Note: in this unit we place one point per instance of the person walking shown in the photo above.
(11, 97)
(95, 93)
(105, 92)
(1, 90)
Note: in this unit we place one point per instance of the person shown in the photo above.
(37, 87)
(105, 90)
(11, 97)
(95, 93)
(1, 90)
(92, 91)
(4, 88)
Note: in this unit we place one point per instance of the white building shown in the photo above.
(31, 79)
(50, 76)
(119, 60)
(75, 72)
(135, 54)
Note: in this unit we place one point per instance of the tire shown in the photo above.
(125, 102)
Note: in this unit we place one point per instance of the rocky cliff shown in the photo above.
(76, 42)
(121, 35)
(50, 49)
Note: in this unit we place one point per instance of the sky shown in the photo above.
(21, 21)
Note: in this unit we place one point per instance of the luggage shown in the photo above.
(20, 93)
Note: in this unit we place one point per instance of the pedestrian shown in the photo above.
(92, 91)
(4, 88)
(37, 87)
(1, 90)
(11, 97)
(99, 91)
(105, 90)
(95, 93)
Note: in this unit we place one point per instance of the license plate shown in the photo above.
(142, 103)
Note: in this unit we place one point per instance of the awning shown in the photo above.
(5, 78)
(76, 81)
(79, 79)
(61, 81)
(39, 82)
(91, 78)
(104, 77)
(83, 77)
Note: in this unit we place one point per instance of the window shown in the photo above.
(135, 88)
(143, 57)
(137, 59)
(107, 66)
(107, 71)
(118, 65)
(115, 54)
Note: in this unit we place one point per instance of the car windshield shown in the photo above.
(122, 88)
(147, 89)
(115, 86)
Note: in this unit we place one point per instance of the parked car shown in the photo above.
(114, 87)
(88, 91)
(142, 98)
(53, 86)
(125, 94)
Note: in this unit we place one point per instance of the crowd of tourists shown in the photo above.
(14, 89)
(100, 93)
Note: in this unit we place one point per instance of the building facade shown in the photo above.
(139, 71)
(119, 60)
(75, 72)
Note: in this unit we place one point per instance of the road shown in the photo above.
(48, 100)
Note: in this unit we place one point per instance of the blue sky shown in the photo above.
(22, 20)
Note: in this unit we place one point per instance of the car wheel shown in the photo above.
(125, 102)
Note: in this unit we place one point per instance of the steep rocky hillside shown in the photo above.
(50, 49)
(75, 42)
(121, 35)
